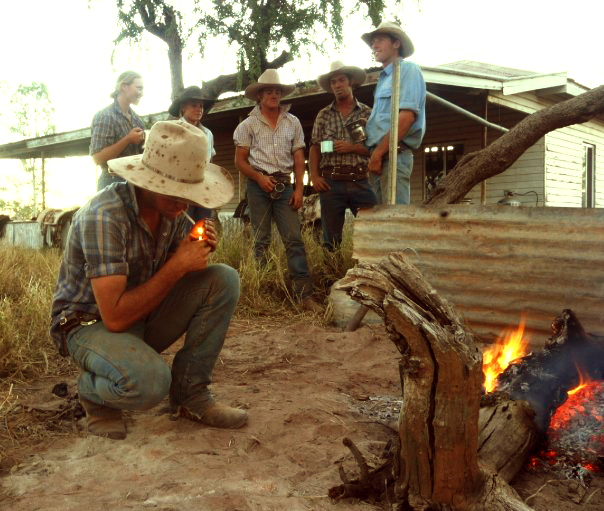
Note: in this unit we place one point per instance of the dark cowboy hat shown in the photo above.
(192, 93)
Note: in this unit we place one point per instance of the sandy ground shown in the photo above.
(306, 388)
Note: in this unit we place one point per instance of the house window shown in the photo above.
(439, 159)
(589, 175)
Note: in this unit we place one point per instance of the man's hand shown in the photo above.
(193, 255)
(375, 163)
(296, 200)
(320, 184)
(136, 136)
(267, 183)
(212, 234)
(341, 146)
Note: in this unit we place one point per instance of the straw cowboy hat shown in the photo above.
(192, 93)
(356, 74)
(174, 163)
(390, 28)
(270, 78)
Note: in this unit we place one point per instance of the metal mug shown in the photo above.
(357, 131)
(327, 146)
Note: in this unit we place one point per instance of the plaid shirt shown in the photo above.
(271, 149)
(110, 125)
(107, 237)
(329, 125)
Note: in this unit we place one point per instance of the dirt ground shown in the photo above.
(306, 388)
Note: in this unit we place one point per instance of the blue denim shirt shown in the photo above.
(412, 97)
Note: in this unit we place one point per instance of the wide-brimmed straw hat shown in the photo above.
(356, 74)
(192, 93)
(270, 78)
(391, 28)
(175, 162)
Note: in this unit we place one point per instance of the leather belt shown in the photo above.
(280, 177)
(68, 322)
(344, 172)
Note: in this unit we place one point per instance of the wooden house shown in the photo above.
(564, 168)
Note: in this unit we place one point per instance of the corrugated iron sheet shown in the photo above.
(496, 262)
(49, 230)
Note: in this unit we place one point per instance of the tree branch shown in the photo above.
(502, 153)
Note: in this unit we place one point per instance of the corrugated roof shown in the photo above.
(494, 262)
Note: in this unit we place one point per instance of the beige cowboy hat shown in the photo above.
(174, 162)
(192, 93)
(356, 74)
(390, 28)
(270, 78)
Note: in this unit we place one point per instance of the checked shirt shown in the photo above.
(330, 125)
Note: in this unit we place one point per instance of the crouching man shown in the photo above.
(132, 282)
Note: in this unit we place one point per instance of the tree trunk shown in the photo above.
(442, 385)
(497, 157)
(232, 83)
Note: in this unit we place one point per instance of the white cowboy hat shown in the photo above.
(356, 74)
(174, 162)
(270, 78)
(388, 27)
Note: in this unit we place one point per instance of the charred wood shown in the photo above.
(543, 379)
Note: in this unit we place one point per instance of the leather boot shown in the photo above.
(104, 421)
(216, 415)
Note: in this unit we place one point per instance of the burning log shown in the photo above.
(543, 379)
(441, 371)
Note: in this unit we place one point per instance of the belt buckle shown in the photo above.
(277, 190)
(88, 323)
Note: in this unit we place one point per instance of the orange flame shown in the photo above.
(198, 232)
(507, 349)
(583, 382)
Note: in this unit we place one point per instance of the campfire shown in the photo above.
(573, 440)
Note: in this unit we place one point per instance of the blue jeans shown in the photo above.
(263, 210)
(343, 194)
(105, 179)
(404, 166)
(125, 369)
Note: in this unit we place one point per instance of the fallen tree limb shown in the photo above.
(498, 156)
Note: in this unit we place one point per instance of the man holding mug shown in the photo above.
(338, 158)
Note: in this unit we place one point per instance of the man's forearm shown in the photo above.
(299, 168)
(135, 304)
(314, 157)
(110, 152)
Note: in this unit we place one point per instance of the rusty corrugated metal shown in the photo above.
(49, 230)
(495, 262)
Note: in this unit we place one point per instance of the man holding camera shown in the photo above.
(338, 158)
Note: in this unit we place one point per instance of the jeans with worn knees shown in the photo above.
(404, 166)
(263, 209)
(125, 369)
(353, 195)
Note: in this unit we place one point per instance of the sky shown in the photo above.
(68, 44)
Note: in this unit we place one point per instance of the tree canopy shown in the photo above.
(255, 29)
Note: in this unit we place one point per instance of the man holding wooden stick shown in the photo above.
(390, 45)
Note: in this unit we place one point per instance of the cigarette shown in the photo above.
(189, 217)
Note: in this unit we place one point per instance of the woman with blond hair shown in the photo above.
(116, 130)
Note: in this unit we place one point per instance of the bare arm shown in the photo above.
(406, 118)
(314, 157)
(341, 146)
(134, 136)
(242, 164)
(121, 308)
